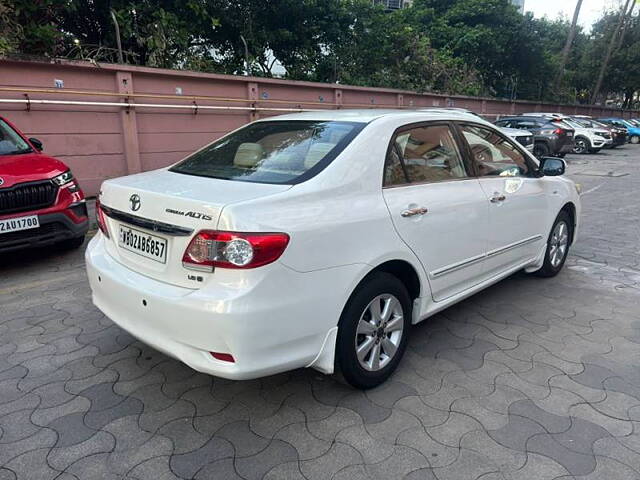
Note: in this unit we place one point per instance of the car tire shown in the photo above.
(582, 145)
(635, 139)
(555, 256)
(73, 243)
(541, 150)
(382, 340)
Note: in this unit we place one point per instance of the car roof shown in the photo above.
(370, 114)
(523, 117)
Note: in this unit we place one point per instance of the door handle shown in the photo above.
(410, 212)
(497, 198)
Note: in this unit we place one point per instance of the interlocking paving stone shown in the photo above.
(337, 458)
(530, 379)
(256, 466)
(61, 457)
(188, 464)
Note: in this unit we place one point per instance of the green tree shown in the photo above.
(33, 28)
(10, 30)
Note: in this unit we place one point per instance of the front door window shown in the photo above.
(494, 155)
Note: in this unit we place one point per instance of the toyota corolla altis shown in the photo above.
(318, 239)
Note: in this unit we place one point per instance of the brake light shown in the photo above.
(210, 249)
(102, 222)
(558, 131)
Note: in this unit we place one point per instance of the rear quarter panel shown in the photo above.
(337, 218)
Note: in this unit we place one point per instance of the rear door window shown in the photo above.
(424, 154)
(281, 152)
(527, 125)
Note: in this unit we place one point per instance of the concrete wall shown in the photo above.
(105, 141)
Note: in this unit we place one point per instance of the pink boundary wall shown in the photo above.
(100, 142)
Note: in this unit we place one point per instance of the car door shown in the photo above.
(515, 195)
(437, 206)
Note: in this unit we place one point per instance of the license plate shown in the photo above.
(19, 223)
(569, 134)
(149, 246)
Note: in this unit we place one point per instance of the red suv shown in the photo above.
(40, 201)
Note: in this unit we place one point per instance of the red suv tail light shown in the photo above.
(210, 249)
(102, 222)
(558, 131)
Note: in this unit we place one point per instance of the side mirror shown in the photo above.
(36, 143)
(552, 166)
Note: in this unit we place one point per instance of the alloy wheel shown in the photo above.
(379, 332)
(558, 244)
(580, 146)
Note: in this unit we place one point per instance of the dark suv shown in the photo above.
(550, 138)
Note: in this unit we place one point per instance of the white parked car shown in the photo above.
(523, 137)
(587, 140)
(317, 239)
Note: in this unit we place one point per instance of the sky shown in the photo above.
(591, 9)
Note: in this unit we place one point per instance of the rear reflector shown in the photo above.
(225, 357)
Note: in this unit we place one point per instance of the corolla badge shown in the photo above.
(134, 202)
(1, 181)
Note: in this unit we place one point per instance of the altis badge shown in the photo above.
(196, 215)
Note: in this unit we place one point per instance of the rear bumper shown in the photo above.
(270, 319)
(566, 147)
(54, 227)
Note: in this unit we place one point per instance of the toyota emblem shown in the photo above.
(134, 202)
(1, 180)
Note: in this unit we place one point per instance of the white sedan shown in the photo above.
(318, 239)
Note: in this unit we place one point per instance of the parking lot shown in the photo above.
(530, 379)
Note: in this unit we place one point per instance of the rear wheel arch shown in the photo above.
(570, 208)
(403, 271)
(542, 147)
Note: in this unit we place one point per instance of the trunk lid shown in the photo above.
(153, 216)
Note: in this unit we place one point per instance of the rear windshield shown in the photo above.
(284, 152)
(563, 124)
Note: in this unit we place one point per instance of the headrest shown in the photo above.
(317, 152)
(248, 155)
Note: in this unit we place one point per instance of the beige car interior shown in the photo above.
(430, 154)
(279, 153)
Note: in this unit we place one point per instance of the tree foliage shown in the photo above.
(476, 47)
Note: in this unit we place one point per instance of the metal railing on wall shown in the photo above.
(128, 105)
(251, 105)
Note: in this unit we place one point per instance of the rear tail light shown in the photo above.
(558, 131)
(210, 249)
(102, 222)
